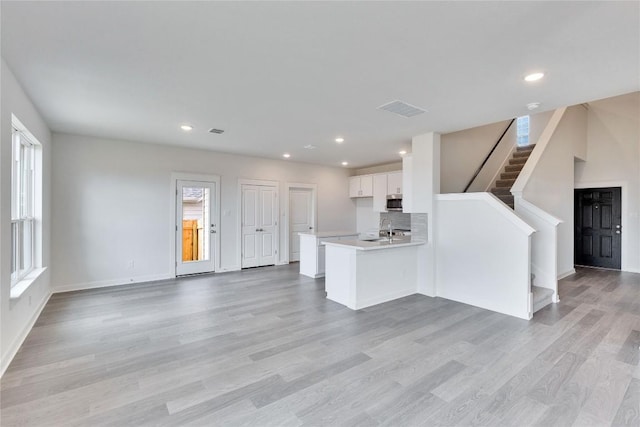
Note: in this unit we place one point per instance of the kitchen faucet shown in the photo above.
(390, 227)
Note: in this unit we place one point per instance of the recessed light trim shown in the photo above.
(339, 140)
(186, 127)
(310, 147)
(345, 163)
(533, 77)
(286, 155)
(533, 105)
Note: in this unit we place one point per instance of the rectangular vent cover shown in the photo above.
(402, 109)
(214, 130)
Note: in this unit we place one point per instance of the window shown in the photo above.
(522, 130)
(24, 233)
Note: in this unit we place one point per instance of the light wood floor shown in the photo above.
(264, 347)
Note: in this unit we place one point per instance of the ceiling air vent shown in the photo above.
(214, 130)
(402, 109)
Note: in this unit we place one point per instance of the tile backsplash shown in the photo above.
(398, 219)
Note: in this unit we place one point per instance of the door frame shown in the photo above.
(314, 208)
(623, 211)
(185, 176)
(266, 183)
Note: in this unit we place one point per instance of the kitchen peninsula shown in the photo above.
(360, 273)
(312, 250)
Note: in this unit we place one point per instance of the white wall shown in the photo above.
(366, 218)
(482, 253)
(387, 167)
(613, 159)
(462, 152)
(18, 315)
(112, 205)
(550, 185)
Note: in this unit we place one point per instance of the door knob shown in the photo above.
(257, 229)
(310, 228)
(213, 231)
(617, 231)
(618, 226)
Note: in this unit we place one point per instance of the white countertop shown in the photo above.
(323, 234)
(364, 245)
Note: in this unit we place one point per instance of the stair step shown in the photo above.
(504, 191)
(526, 148)
(521, 154)
(518, 160)
(541, 297)
(505, 183)
(509, 175)
(506, 199)
(513, 168)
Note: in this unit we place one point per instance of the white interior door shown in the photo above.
(196, 233)
(268, 225)
(300, 218)
(259, 225)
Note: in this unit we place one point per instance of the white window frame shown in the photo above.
(519, 127)
(26, 160)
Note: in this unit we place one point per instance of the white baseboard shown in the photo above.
(15, 345)
(113, 282)
(383, 298)
(566, 274)
(229, 269)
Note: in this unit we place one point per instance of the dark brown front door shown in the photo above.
(598, 227)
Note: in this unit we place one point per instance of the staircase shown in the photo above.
(502, 190)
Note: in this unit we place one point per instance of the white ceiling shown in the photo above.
(278, 76)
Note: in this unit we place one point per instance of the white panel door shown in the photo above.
(300, 218)
(250, 228)
(268, 221)
(259, 225)
(195, 230)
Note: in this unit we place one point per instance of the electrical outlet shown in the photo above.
(130, 264)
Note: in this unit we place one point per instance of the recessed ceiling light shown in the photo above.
(533, 105)
(310, 147)
(339, 140)
(186, 128)
(402, 152)
(286, 155)
(533, 77)
(345, 163)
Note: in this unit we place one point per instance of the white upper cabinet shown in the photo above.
(380, 192)
(394, 183)
(361, 186)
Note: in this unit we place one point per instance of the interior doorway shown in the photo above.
(598, 227)
(301, 217)
(196, 227)
(259, 225)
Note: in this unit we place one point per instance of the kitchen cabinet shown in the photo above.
(394, 183)
(380, 192)
(358, 273)
(361, 186)
(312, 250)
